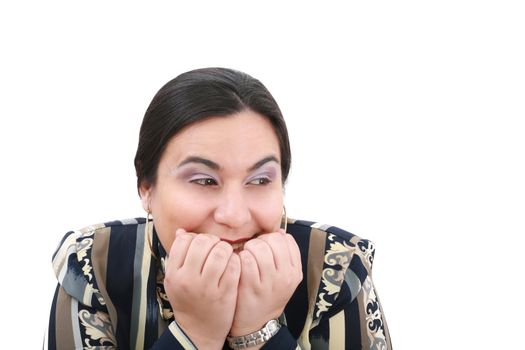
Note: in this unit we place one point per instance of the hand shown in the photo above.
(270, 272)
(201, 280)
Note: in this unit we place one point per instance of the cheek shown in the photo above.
(268, 211)
(173, 209)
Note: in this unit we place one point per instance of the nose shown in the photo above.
(232, 209)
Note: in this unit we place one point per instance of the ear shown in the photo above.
(145, 196)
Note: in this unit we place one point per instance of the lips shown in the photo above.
(238, 244)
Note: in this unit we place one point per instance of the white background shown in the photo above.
(406, 122)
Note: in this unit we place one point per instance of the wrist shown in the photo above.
(202, 340)
(256, 339)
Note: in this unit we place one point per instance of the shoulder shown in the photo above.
(337, 262)
(81, 260)
(333, 244)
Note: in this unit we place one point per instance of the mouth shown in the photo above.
(238, 244)
(238, 247)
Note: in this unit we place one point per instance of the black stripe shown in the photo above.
(340, 232)
(352, 326)
(297, 307)
(119, 277)
(152, 308)
(356, 265)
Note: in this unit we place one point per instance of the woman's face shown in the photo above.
(220, 176)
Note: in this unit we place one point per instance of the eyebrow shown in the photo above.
(211, 164)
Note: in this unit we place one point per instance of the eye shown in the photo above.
(260, 181)
(205, 181)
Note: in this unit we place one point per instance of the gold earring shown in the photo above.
(149, 232)
(284, 219)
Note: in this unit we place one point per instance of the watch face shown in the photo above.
(272, 326)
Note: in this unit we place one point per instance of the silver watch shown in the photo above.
(259, 337)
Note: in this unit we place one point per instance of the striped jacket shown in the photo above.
(110, 292)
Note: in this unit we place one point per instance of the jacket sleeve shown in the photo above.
(80, 316)
(348, 314)
(344, 312)
(352, 324)
(73, 325)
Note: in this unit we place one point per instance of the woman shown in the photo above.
(219, 265)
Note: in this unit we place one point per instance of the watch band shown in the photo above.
(258, 337)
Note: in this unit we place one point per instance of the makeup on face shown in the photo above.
(198, 170)
(221, 176)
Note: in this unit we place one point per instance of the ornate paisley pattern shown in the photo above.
(337, 259)
(374, 319)
(366, 250)
(84, 245)
(98, 329)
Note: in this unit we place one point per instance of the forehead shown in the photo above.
(243, 137)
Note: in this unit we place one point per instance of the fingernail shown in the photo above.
(179, 231)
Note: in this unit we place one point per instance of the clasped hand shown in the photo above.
(214, 291)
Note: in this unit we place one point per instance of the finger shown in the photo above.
(279, 246)
(198, 251)
(263, 255)
(230, 278)
(293, 248)
(250, 276)
(179, 248)
(216, 262)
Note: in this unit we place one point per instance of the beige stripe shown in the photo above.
(146, 259)
(181, 337)
(75, 324)
(337, 331)
(63, 326)
(100, 264)
(387, 332)
(361, 302)
(316, 252)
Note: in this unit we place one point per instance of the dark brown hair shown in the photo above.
(194, 96)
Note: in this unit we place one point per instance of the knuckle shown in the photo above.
(184, 286)
(205, 239)
(184, 237)
(253, 243)
(201, 238)
(222, 251)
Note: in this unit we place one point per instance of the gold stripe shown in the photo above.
(181, 337)
(63, 325)
(361, 302)
(337, 331)
(316, 253)
(146, 259)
